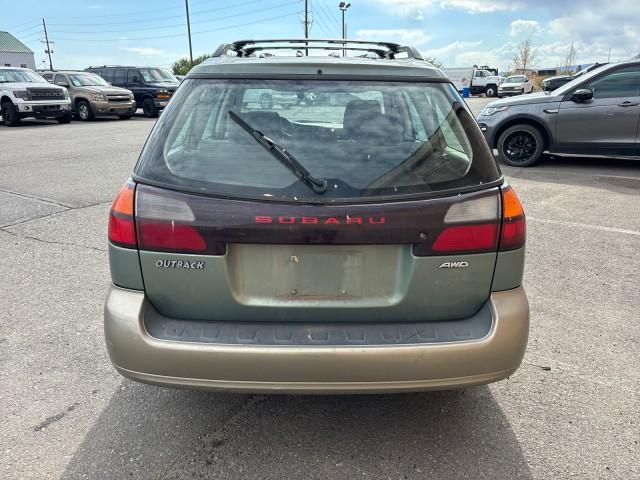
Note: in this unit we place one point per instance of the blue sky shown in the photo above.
(457, 32)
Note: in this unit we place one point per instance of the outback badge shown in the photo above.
(180, 264)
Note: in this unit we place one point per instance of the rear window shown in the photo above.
(366, 139)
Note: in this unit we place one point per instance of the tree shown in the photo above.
(569, 60)
(525, 59)
(183, 65)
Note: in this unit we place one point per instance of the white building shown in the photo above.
(14, 53)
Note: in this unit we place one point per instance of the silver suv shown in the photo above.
(597, 114)
(370, 245)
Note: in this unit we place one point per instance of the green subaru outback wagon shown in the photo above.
(366, 245)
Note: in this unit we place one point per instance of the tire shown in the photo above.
(491, 91)
(266, 101)
(84, 111)
(522, 92)
(124, 117)
(520, 145)
(10, 115)
(66, 118)
(149, 108)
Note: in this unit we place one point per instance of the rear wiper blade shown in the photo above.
(318, 185)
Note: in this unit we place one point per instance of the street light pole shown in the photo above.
(343, 8)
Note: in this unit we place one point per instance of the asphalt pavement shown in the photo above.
(571, 411)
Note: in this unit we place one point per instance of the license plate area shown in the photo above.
(317, 274)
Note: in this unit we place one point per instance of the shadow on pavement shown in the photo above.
(151, 433)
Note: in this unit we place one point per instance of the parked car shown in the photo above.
(596, 114)
(551, 83)
(477, 80)
(152, 87)
(515, 85)
(91, 96)
(297, 251)
(25, 94)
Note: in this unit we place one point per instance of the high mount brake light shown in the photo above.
(514, 225)
(121, 226)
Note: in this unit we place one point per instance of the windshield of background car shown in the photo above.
(87, 80)
(157, 75)
(515, 80)
(20, 76)
(368, 139)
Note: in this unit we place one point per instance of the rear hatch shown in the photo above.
(230, 229)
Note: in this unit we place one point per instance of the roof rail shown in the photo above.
(245, 48)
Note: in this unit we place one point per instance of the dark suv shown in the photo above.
(364, 246)
(152, 87)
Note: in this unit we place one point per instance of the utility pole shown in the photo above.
(306, 25)
(609, 56)
(186, 4)
(48, 50)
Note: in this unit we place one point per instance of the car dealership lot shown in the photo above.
(571, 410)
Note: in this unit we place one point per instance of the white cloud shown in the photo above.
(415, 37)
(417, 8)
(144, 51)
(524, 28)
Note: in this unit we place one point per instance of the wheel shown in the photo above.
(10, 115)
(522, 92)
(266, 102)
(84, 111)
(124, 117)
(66, 118)
(520, 145)
(149, 108)
(491, 91)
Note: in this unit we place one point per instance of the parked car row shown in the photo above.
(96, 91)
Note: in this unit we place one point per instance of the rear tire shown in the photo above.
(10, 115)
(66, 118)
(84, 111)
(149, 108)
(520, 145)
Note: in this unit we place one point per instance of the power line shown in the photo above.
(217, 19)
(180, 34)
(322, 18)
(331, 18)
(137, 12)
(153, 19)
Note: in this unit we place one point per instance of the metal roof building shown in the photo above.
(14, 53)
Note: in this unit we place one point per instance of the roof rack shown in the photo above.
(388, 50)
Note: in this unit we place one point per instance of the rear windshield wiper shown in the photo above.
(318, 185)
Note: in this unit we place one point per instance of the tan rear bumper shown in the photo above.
(315, 369)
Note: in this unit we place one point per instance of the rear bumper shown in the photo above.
(315, 369)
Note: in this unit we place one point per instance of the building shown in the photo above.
(14, 53)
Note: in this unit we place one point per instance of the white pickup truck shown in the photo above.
(25, 94)
(477, 80)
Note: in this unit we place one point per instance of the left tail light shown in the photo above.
(122, 230)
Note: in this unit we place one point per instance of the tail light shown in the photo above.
(121, 226)
(514, 225)
(477, 226)
(168, 224)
